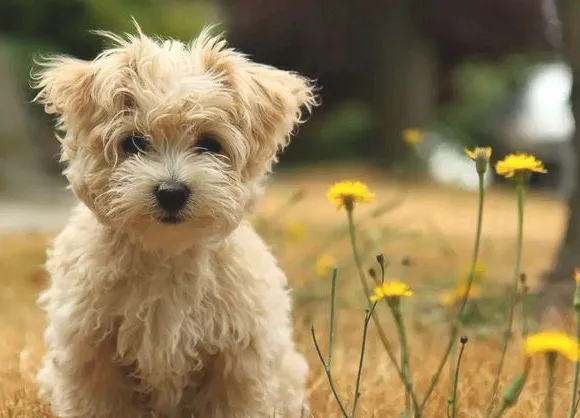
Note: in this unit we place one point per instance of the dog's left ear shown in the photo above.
(275, 102)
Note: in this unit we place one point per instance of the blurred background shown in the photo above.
(463, 73)
(405, 84)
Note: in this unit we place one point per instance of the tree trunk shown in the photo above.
(404, 88)
(568, 256)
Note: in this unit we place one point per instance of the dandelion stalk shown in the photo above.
(345, 194)
(459, 318)
(382, 336)
(514, 291)
(394, 305)
(327, 365)
(332, 310)
(451, 373)
(381, 261)
(524, 301)
(512, 393)
(574, 401)
(551, 363)
(337, 234)
(328, 373)
(356, 396)
(355, 252)
(456, 379)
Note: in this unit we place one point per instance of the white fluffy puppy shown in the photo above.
(163, 301)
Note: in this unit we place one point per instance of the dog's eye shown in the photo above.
(134, 144)
(208, 143)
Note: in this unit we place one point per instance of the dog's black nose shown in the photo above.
(172, 196)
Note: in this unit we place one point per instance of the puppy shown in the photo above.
(163, 301)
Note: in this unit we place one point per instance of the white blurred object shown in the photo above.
(544, 114)
(541, 122)
(448, 164)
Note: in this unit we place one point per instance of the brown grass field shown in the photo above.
(432, 225)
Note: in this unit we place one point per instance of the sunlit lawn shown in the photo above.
(431, 225)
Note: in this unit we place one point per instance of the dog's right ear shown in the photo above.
(64, 84)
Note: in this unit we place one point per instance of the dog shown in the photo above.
(162, 300)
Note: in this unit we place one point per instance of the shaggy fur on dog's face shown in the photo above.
(151, 113)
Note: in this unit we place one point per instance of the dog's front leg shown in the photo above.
(82, 382)
(291, 370)
(78, 376)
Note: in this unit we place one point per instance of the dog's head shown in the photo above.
(161, 137)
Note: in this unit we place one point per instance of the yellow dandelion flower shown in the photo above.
(519, 163)
(577, 274)
(391, 289)
(412, 136)
(551, 342)
(481, 157)
(295, 231)
(450, 298)
(479, 153)
(324, 265)
(347, 193)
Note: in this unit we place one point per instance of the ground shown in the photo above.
(431, 225)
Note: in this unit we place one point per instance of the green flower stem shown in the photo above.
(405, 368)
(328, 364)
(525, 327)
(573, 402)
(456, 381)
(512, 393)
(335, 236)
(382, 335)
(551, 363)
(459, 318)
(332, 310)
(329, 377)
(514, 292)
(355, 252)
(452, 354)
(361, 360)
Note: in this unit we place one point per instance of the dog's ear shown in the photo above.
(271, 102)
(276, 101)
(64, 85)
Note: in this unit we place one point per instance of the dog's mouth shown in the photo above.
(171, 219)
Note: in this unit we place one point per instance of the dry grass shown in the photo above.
(433, 226)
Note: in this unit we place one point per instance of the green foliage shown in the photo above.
(342, 127)
(332, 134)
(483, 87)
(64, 26)
(173, 18)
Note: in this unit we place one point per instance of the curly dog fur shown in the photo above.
(169, 305)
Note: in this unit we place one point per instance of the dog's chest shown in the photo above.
(172, 316)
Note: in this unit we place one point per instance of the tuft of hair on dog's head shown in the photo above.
(171, 94)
